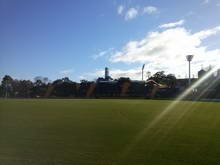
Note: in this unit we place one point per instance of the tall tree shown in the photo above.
(22, 88)
(162, 78)
(171, 80)
(7, 87)
(39, 87)
(1, 91)
(64, 88)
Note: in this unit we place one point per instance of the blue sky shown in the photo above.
(77, 39)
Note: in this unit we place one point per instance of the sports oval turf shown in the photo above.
(108, 132)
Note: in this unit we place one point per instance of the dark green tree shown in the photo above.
(22, 88)
(7, 86)
(162, 78)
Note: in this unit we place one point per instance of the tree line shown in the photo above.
(42, 87)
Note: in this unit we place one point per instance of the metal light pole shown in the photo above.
(189, 59)
(143, 72)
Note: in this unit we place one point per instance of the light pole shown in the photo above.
(189, 59)
(143, 72)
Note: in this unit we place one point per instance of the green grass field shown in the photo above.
(108, 132)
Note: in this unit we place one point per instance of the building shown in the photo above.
(107, 77)
(201, 73)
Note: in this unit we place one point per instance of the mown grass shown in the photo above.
(104, 132)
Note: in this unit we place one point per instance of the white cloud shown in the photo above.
(66, 71)
(120, 9)
(103, 53)
(100, 54)
(82, 77)
(172, 24)
(134, 74)
(131, 14)
(218, 4)
(207, 33)
(150, 10)
(166, 51)
(190, 13)
(205, 2)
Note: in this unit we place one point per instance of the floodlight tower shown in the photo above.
(189, 59)
(143, 72)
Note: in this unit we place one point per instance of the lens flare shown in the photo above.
(170, 108)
